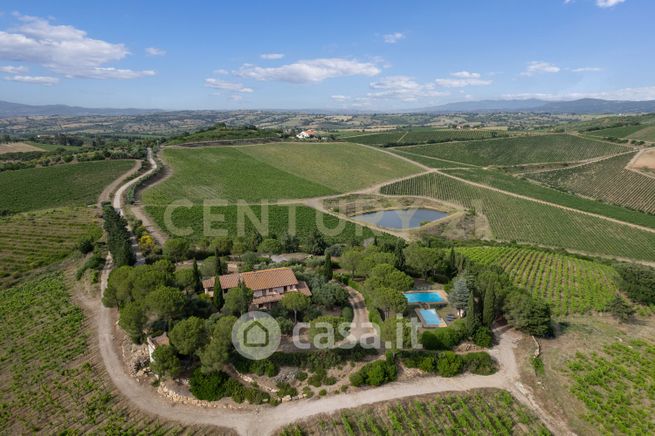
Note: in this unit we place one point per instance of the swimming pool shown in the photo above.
(430, 318)
(424, 297)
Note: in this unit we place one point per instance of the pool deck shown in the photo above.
(441, 293)
(426, 324)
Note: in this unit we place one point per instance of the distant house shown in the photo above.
(157, 341)
(268, 285)
(306, 134)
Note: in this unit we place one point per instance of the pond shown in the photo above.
(400, 219)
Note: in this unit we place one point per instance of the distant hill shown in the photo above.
(582, 106)
(8, 109)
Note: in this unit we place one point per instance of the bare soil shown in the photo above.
(18, 147)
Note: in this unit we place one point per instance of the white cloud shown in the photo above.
(271, 56)
(635, 94)
(227, 86)
(462, 79)
(340, 98)
(392, 38)
(608, 3)
(39, 80)
(402, 88)
(11, 69)
(539, 67)
(154, 51)
(307, 71)
(63, 49)
(587, 70)
(221, 71)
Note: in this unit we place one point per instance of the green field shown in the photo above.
(569, 284)
(617, 387)
(224, 133)
(615, 132)
(37, 239)
(62, 185)
(606, 180)
(278, 219)
(529, 188)
(273, 171)
(50, 383)
(645, 134)
(512, 218)
(518, 150)
(432, 162)
(482, 412)
(421, 135)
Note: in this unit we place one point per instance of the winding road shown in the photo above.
(264, 420)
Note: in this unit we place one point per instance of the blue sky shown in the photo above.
(333, 54)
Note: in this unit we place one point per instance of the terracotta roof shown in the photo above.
(256, 280)
(302, 288)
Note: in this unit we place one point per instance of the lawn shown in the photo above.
(36, 239)
(273, 171)
(529, 188)
(305, 221)
(606, 180)
(51, 383)
(569, 284)
(62, 185)
(523, 220)
(519, 150)
(480, 412)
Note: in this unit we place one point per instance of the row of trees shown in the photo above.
(118, 236)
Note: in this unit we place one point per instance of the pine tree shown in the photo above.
(489, 307)
(459, 295)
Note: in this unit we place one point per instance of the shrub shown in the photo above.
(483, 337)
(209, 387)
(285, 389)
(445, 338)
(375, 374)
(638, 282)
(322, 392)
(538, 365)
(347, 313)
(301, 376)
(449, 364)
(479, 363)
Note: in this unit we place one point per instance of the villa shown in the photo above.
(268, 285)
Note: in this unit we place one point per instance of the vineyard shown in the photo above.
(62, 185)
(37, 239)
(279, 217)
(432, 162)
(483, 412)
(569, 284)
(524, 220)
(422, 135)
(519, 150)
(506, 182)
(617, 387)
(50, 384)
(606, 180)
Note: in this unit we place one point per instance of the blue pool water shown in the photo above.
(423, 297)
(430, 317)
(400, 219)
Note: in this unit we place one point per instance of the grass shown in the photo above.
(615, 132)
(36, 239)
(569, 284)
(278, 222)
(606, 180)
(523, 220)
(481, 412)
(645, 134)
(273, 171)
(519, 150)
(529, 188)
(50, 383)
(58, 186)
(421, 135)
(222, 133)
(616, 386)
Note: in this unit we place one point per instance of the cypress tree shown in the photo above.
(327, 267)
(399, 255)
(472, 314)
(489, 307)
(197, 278)
(219, 300)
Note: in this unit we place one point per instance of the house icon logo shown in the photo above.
(256, 335)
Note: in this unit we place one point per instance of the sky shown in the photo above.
(366, 55)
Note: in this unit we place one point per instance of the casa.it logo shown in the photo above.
(256, 335)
